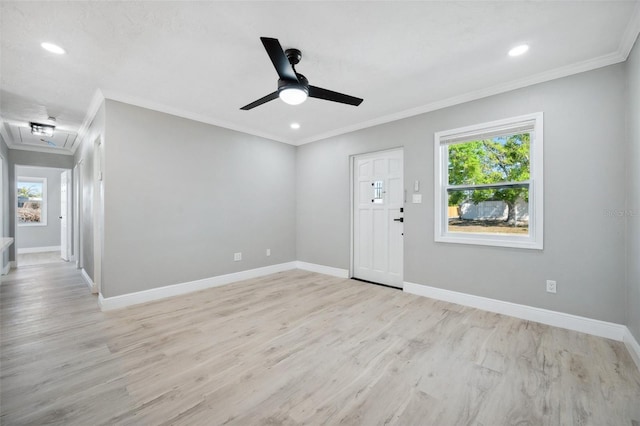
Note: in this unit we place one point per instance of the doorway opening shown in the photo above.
(43, 234)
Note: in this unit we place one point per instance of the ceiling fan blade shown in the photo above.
(263, 100)
(329, 95)
(279, 59)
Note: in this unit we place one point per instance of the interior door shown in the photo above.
(378, 217)
(64, 214)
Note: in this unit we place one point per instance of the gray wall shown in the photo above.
(633, 193)
(84, 159)
(48, 235)
(4, 201)
(29, 158)
(182, 196)
(584, 119)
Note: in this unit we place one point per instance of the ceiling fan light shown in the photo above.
(293, 96)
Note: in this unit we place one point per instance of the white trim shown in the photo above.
(117, 302)
(631, 33)
(94, 106)
(632, 346)
(5, 243)
(6, 268)
(544, 316)
(38, 249)
(3, 131)
(45, 149)
(322, 269)
(87, 279)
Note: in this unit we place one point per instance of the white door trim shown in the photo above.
(66, 241)
(352, 162)
(98, 211)
(77, 215)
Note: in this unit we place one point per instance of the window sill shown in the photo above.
(491, 240)
(28, 225)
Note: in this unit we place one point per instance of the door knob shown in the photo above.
(400, 219)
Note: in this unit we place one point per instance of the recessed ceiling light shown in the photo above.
(295, 125)
(53, 48)
(519, 50)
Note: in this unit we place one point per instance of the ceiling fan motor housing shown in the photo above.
(293, 55)
(301, 84)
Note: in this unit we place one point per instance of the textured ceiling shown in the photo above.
(204, 60)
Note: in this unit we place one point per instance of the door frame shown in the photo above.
(13, 191)
(98, 211)
(77, 214)
(352, 164)
(69, 214)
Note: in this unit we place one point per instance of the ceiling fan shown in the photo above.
(293, 87)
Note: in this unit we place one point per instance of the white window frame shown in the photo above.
(43, 203)
(536, 184)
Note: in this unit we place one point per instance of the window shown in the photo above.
(377, 192)
(32, 201)
(489, 183)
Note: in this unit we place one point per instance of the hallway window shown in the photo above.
(32, 201)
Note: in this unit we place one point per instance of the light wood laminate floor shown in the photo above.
(30, 259)
(295, 348)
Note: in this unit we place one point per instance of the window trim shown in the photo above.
(43, 203)
(536, 182)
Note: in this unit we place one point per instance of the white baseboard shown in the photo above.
(632, 346)
(38, 249)
(87, 279)
(321, 269)
(117, 302)
(594, 327)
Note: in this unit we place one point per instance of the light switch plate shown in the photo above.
(417, 198)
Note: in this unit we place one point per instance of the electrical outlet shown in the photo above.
(551, 286)
(237, 256)
(268, 252)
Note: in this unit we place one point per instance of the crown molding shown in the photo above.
(44, 149)
(143, 103)
(94, 106)
(630, 34)
(3, 131)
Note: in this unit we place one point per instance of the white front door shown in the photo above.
(64, 214)
(378, 196)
